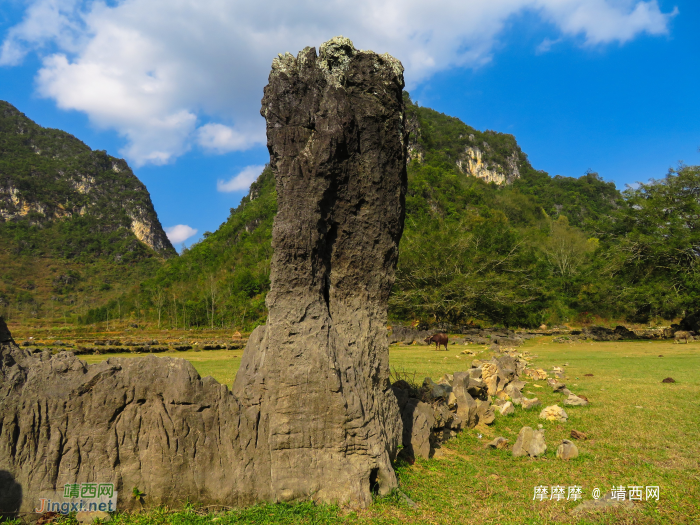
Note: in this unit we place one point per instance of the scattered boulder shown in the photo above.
(575, 434)
(498, 443)
(489, 375)
(536, 374)
(577, 401)
(625, 333)
(435, 391)
(669, 380)
(466, 405)
(556, 385)
(567, 450)
(507, 409)
(418, 422)
(529, 443)
(600, 333)
(485, 411)
(529, 403)
(554, 413)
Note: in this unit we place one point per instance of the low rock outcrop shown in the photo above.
(529, 443)
(567, 450)
(435, 412)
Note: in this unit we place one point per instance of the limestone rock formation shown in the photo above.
(529, 443)
(318, 372)
(554, 413)
(567, 450)
(575, 400)
(312, 413)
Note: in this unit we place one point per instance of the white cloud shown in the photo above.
(242, 181)
(546, 45)
(179, 233)
(222, 139)
(170, 74)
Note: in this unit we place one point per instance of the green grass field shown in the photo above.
(641, 432)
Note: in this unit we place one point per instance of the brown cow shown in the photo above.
(438, 339)
(679, 336)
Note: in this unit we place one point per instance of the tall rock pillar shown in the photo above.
(316, 377)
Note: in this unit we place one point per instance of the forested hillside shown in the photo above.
(493, 242)
(76, 225)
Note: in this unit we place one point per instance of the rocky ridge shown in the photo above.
(47, 175)
(490, 156)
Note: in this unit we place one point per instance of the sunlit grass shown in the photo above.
(656, 444)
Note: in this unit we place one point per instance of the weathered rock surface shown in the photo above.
(574, 400)
(530, 403)
(529, 443)
(499, 443)
(312, 413)
(319, 370)
(418, 422)
(567, 450)
(554, 413)
(507, 409)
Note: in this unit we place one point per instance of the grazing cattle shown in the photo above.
(679, 336)
(438, 339)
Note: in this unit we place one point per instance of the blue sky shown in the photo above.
(175, 88)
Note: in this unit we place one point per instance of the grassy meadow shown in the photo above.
(640, 432)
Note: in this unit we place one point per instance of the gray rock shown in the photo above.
(466, 405)
(513, 392)
(446, 379)
(507, 409)
(313, 382)
(567, 450)
(556, 385)
(475, 373)
(517, 384)
(499, 443)
(476, 388)
(418, 421)
(530, 403)
(576, 401)
(485, 412)
(529, 443)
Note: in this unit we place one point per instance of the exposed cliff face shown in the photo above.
(490, 156)
(472, 163)
(47, 175)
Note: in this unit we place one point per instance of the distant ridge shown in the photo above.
(48, 176)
